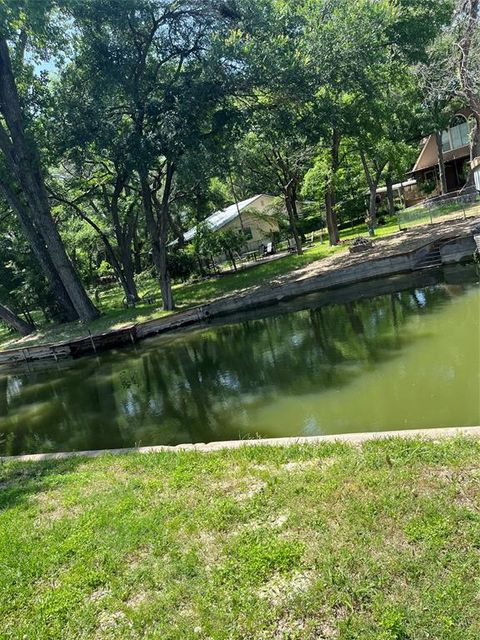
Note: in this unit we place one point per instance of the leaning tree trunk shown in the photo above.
(35, 194)
(22, 159)
(441, 163)
(40, 252)
(23, 328)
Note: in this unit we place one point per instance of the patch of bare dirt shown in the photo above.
(137, 599)
(136, 558)
(254, 488)
(302, 465)
(280, 589)
(465, 482)
(99, 594)
(52, 507)
(111, 622)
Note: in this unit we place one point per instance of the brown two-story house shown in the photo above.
(456, 154)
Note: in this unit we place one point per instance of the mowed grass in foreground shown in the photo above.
(260, 543)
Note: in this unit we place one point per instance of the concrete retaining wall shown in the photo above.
(349, 438)
(457, 250)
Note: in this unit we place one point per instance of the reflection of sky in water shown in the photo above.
(422, 300)
(296, 340)
(14, 387)
(311, 427)
(229, 380)
(132, 406)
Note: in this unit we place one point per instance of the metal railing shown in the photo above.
(457, 204)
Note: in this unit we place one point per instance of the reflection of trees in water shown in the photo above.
(196, 388)
(3, 396)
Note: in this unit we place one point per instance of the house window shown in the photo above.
(446, 141)
(457, 135)
(247, 232)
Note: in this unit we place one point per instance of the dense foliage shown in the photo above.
(125, 122)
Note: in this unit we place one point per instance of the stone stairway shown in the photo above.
(432, 259)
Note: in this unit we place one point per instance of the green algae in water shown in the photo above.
(402, 360)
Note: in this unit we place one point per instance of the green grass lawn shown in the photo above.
(186, 295)
(420, 215)
(262, 543)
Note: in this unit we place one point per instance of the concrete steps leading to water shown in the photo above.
(431, 260)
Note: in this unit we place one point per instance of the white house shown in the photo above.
(254, 216)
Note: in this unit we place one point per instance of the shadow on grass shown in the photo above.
(20, 480)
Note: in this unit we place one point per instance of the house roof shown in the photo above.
(220, 218)
(420, 164)
(429, 157)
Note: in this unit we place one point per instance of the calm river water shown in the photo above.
(407, 358)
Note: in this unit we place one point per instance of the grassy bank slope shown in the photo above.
(258, 543)
(114, 314)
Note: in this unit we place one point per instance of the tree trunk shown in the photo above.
(231, 257)
(330, 200)
(123, 235)
(373, 178)
(128, 272)
(23, 161)
(156, 233)
(83, 305)
(23, 328)
(372, 207)
(474, 149)
(129, 290)
(467, 50)
(441, 163)
(165, 284)
(128, 283)
(390, 196)
(137, 248)
(291, 218)
(295, 211)
(40, 252)
(330, 215)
